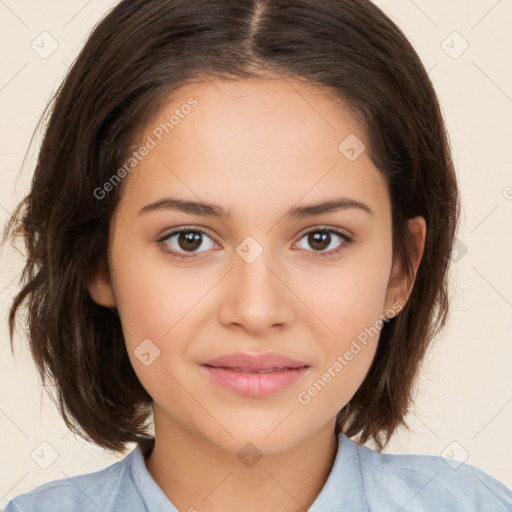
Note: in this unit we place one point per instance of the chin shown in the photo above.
(264, 438)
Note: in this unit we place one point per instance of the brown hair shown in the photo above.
(138, 54)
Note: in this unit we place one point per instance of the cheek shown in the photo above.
(350, 302)
(347, 354)
(351, 297)
(156, 304)
(153, 297)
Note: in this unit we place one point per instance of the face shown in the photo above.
(267, 275)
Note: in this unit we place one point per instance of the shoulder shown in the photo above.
(99, 490)
(427, 482)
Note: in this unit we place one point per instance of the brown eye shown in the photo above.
(320, 240)
(183, 241)
(189, 240)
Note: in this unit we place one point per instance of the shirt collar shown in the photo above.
(344, 488)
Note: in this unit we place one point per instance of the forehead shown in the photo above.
(255, 142)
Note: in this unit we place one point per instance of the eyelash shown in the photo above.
(330, 254)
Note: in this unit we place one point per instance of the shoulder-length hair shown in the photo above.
(139, 53)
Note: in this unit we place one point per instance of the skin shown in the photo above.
(256, 148)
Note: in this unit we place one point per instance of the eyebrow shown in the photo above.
(216, 211)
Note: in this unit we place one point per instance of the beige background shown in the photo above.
(464, 403)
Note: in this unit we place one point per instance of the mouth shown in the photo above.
(271, 361)
(255, 382)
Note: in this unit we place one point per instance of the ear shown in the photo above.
(400, 286)
(100, 286)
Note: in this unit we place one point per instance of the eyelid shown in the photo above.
(179, 229)
(325, 227)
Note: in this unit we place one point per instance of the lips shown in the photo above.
(255, 375)
(255, 363)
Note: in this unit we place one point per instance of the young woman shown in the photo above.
(240, 227)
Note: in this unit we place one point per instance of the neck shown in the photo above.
(198, 475)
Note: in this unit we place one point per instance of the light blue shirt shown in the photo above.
(360, 480)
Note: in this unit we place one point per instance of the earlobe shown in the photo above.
(100, 286)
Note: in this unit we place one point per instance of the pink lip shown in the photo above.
(264, 361)
(223, 371)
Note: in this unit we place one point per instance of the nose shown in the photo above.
(256, 295)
